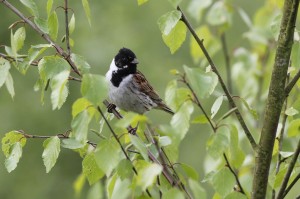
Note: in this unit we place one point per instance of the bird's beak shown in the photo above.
(135, 61)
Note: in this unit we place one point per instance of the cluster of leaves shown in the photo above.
(134, 165)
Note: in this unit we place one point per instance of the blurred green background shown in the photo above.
(115, 24)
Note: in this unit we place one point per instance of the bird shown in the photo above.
(128, 88)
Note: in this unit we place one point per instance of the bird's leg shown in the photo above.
(133, 130)
(111, 107)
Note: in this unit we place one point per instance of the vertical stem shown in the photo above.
(227, 62)
(67, 28)
(275, 99)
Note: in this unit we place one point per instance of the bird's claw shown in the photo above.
(111, 107)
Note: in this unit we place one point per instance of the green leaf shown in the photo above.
(175, 3)
(294, 128)
(201, 119)
(249, 108)
(147, 175)
(236, 155)
(164, 141)
(217, 143)
(223, 181)
(82, 65)
(49, 6)
(94, 88)
(80, 125)
(121, 189)
(4, 70)
(108, 155)
(197, 190)
(140, 146)
(87, 10)
(218, 14)
(245, 17)
(72, 143)
(131, 119)
(236, 195)
(90, 169)
(216, 106)
(286, 154)
(10, 139)
(9, 83)
(72, 24)
(141, 2)
(59, 88)
(176, 37)
(291, 111)
(19, 38)
(168, 21)
(124, 169)
(173, 193)
(279, 177)
(202, 83)
(30, 4)
(42, 24)
(190, 172)
(51, 152)
(14, 156)
(78, 185)
(53, 26)
(80, 105)
(95, 191)
(196, 8)
(181, 120)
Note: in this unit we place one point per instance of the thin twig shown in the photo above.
(67, 28)
(292, 83)
(289, 172)
(291, 185)
(234, 174)
(215, 70)
(59, 50)
(227, 61)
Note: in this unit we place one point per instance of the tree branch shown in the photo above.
(287, 176)
(292, 83)
(291, 185)
(67, 27)
(59, 50)
(275, 99)
(227, 61)
(215, 70)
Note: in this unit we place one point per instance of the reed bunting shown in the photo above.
(128, 88)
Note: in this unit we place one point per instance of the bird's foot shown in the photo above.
(132, 131)
(111, 107)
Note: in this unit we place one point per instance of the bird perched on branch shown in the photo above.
(128, 88)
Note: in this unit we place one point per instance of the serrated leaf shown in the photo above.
(80, 105)
(180, 122)
(223, 181)
(87, 10)
(168, 21)
(147, 175)
(72, 24)
(30, 4)
(42, 24)
(19, 38)
(59, 89)
(82, 65)
(94, 88)
(10, 139)
(294, 128)
(50, 66)
(216, 106)
(90, 169)
(173, 193)
(51, 152)
(141, 2)
(108, 155)
(291, 111)
(4, 70)
(202, 83)
(197, 190)
(9, 83)
(140, 146)
(53, 26)
(176, 37)
(49, 6)
(14, 156)
(80, 125)
(217, 143)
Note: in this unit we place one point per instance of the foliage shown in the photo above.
(144, 164)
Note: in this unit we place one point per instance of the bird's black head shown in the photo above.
(125, 58)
